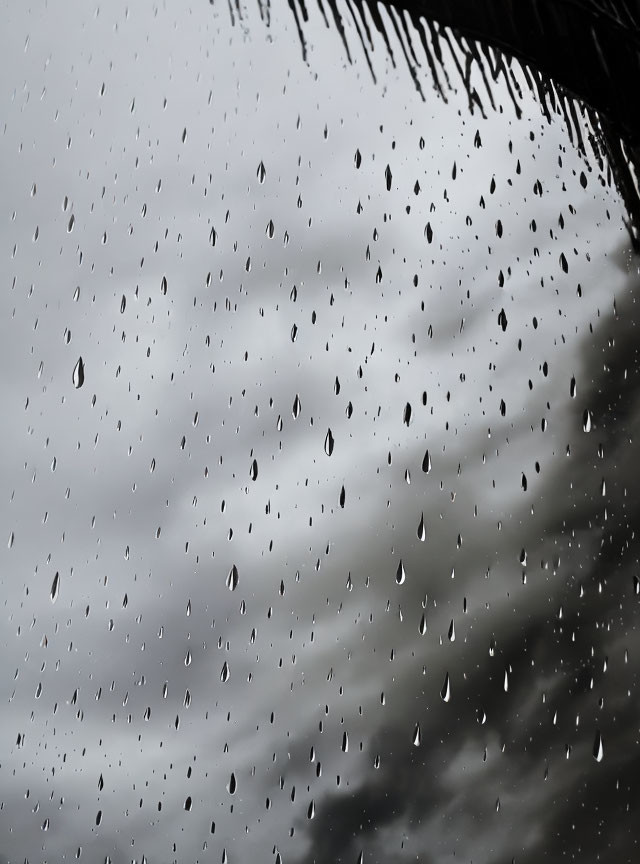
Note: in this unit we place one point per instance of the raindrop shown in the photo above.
(426, 463)
(586, 421)
(445, 693)
(232, 578)
(55, 587)
(417, 736)
(78, 374)
(297, 406)
(225, 673)
(261, 172)
(452, 631)
(422, 531)
(598, 749)
(328, 443)
(400, 574)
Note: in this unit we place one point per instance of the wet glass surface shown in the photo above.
(320, 396)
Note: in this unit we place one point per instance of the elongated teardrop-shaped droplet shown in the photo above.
(345, 742)
(232, 578)
(417, 736)
(586, 420)
(357, 159)
(254, 470)
(297, 407)
(311, 812)
(422, 531)
(506, 681)
(55, 587)
(573, 388)
(426, 463)
(261, 172)
(598, 749)
(423, 624)
(78, 374)
(343, 496)
(328, 443)
(445, 693)
(400, 574)
(225, 673)
(452, 631)
(232, 784)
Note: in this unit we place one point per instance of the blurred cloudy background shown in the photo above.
(246, 251)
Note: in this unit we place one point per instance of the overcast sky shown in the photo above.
(182, 210)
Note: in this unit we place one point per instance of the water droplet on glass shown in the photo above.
(225, 673)
(328, 443)
(426, 463)
(422, 531)
(586, 421)
(400, 574)
(55, 587)
(445, 692)
(452, 631)
(417, 736)
(232, 578)
(598, 749)
(261, 172)
(78, 374)
(297, 406)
